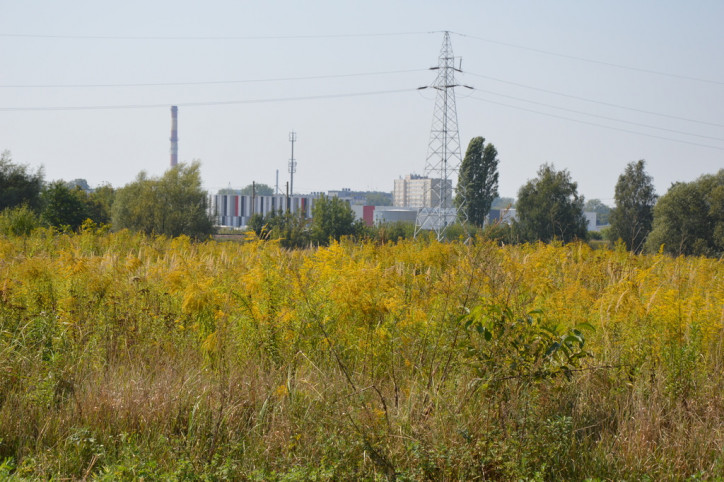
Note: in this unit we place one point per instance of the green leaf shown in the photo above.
(585, 326)
(552, 349)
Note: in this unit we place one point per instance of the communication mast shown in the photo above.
(292, 163)
(443, 153)
(174, 136)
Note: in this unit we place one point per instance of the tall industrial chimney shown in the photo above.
(174, 135)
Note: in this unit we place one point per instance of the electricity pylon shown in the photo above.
(443, 153)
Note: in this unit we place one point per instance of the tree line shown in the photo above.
(688, 219)
(171, 205)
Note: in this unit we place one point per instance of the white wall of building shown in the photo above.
(236, 210)
(418, 192)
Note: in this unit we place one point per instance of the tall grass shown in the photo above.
(124, 356)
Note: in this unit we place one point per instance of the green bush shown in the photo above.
(18, 221)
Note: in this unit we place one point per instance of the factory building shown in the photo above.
(235, 210)
(376, 215)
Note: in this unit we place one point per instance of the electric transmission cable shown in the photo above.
(212, 82)
(209, 103)
(593, 61)
(593, 101)
(598, 125)
(574, 111)
(212, 37)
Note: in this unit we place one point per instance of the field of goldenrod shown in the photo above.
(125, 356)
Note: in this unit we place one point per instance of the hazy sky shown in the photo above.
(587, 86)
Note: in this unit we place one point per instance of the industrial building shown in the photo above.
(235, 210)
(376, 215)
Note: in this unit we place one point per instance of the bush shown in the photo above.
(394, 231)
(18, 221)
(595, 235)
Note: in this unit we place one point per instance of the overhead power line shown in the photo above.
(200, 104)
(349, 35)
(211, 37)
(593, 101)
(211, 82)
(671, 139)
(574, 111)
(592, 61)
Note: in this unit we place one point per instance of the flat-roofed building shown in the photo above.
(236, 210)
(414, 191)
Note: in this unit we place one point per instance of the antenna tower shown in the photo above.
(443, 152)
(292, 163)
(174, 136)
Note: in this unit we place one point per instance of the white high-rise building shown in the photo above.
(416, 191)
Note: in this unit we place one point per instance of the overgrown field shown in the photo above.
(124, 356)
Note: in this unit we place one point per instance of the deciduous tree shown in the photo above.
(291, 229)
(259, 190)
(549, 207)
(100, 204)
(602, 211)
(172, 205)
(633, 215)
(376, 198)
(64, 207)
(331, 219)
(18, 185)
(689, 218)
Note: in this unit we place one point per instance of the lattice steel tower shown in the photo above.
(443, 153)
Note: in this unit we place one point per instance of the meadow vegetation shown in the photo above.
(125, 356)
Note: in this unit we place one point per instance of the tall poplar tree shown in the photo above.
(478, 182)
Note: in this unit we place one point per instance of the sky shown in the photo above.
(86, 88)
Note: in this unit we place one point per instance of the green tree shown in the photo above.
(331, 219)
(292, 230)
(133, 207)
(633, 215)
(503, 202)
(375, 198)
(259, 188)
(549, 207)
(64, 206)
(100, 204)
(689, 218)
(229, 191)
(173, 205)
(17, 185)
(478, 183)
(394, 231)
(18, 221)
(602, 211)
